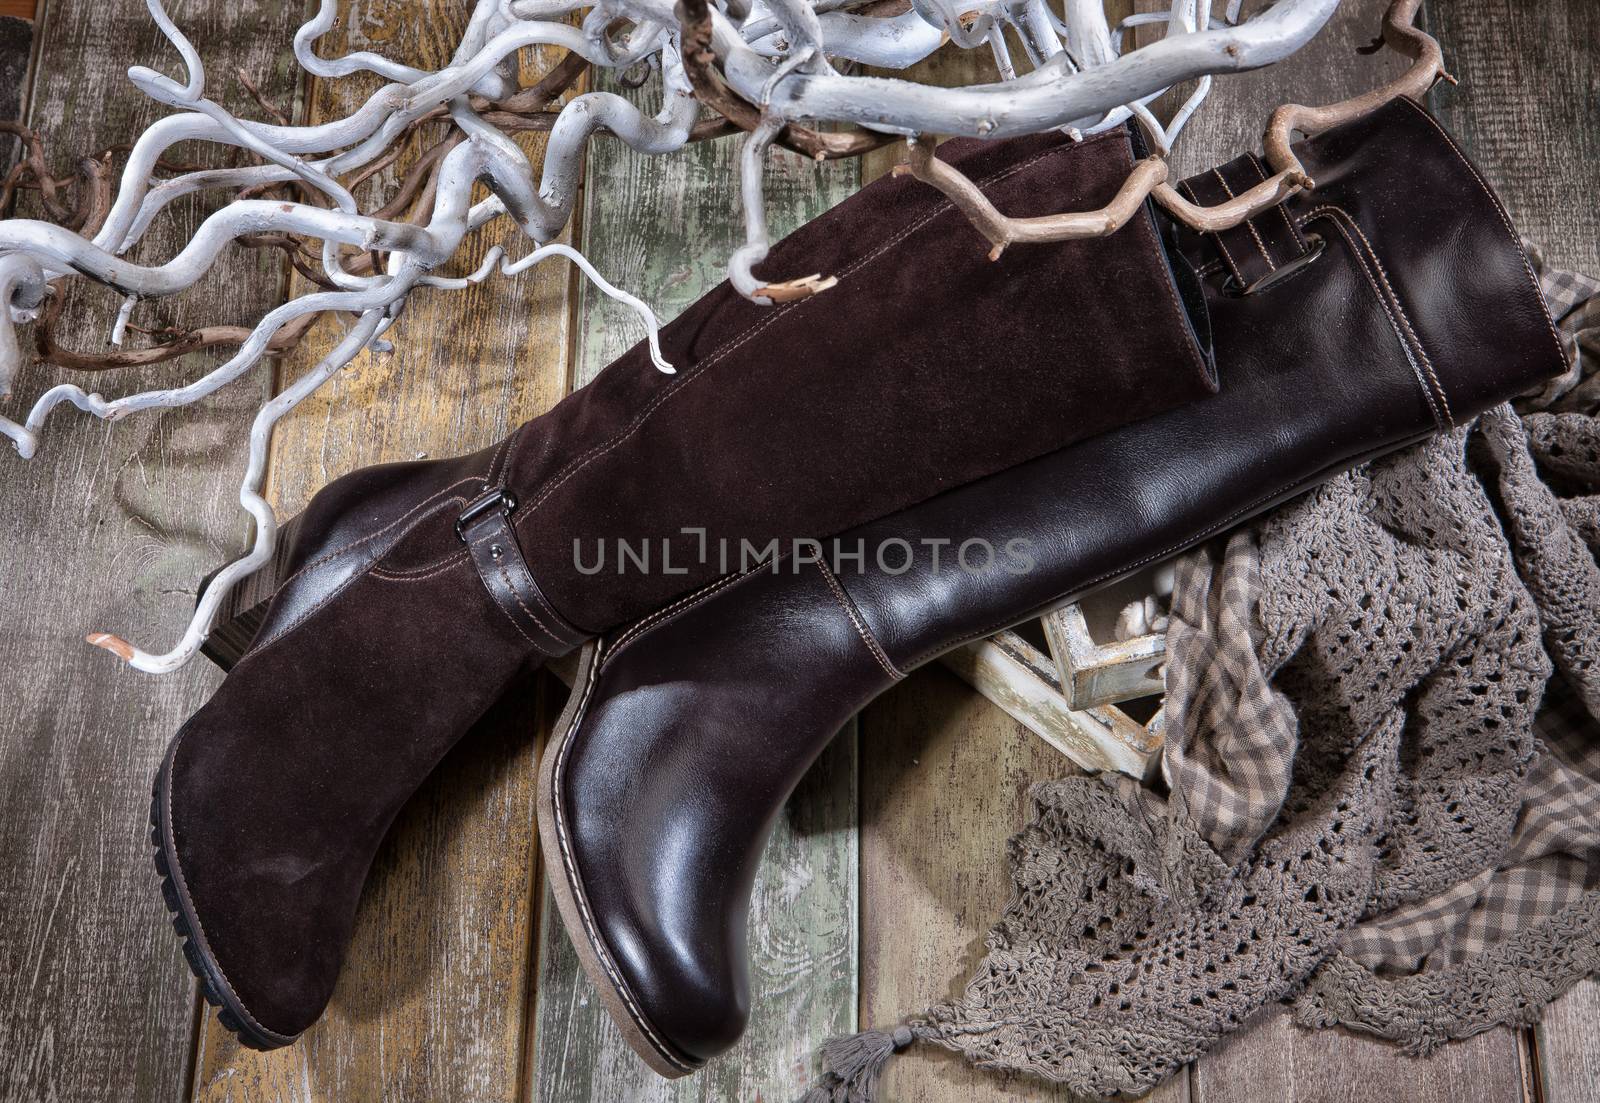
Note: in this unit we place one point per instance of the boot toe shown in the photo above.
(265, 922)
(697, 1002)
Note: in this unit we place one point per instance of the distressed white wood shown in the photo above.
(1023, 682)
(1094, 673)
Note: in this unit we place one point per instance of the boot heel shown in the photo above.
(241, 614)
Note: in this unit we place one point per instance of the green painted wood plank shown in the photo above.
(663, 227)
(111, 527)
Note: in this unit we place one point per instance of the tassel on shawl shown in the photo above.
(852, 1064)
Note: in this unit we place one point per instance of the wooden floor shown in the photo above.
(461, 985)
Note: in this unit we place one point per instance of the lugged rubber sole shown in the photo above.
(213, 985)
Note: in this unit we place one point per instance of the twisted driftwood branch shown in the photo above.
(1002, 230)
(1149, 177)
(777, 71)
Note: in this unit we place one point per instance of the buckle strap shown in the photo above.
(1259, 248)
(485, 527)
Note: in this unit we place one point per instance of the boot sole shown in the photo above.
(619, 1002)
(636, 1030)
(214, 986)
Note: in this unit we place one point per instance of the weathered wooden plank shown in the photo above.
(1528, 108)
(1272, 1059)
(433, 1000)
(1567, 1055)
(1325, 71)
(16, 55)
(1528, 111)
(111, 528)
(663, 227)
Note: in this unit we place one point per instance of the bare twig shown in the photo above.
(1149, 178)
(1002, 231)
(261, 101)
(172, 342)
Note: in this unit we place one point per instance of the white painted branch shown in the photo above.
(894, 42)
(752, 163)
(775, 54)
(1088, 35)
(1050, 96)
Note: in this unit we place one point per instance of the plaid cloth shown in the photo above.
(1574, 302)
(1232, 775)
(1234, 782)
(1231, 785)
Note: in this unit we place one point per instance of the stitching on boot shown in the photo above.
(850, 610)
(1405, 319)
(288, 629)
(664, 616)
(1249, 223)
(537, 620)
(426, 504)
(432, 500)
(1426, 379)
(1222, 246)
(492, 474)
(1294, 231)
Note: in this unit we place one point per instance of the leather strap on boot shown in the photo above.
(485, 527)
(1259, 251)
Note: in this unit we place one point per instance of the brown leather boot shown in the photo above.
(410, 595)
(1392, 304)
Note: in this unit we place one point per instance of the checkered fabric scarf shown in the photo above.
(1380, 796)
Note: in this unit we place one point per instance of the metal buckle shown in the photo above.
(496, 497)
(1317, 243)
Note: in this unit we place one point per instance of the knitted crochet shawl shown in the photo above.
(1380, 796)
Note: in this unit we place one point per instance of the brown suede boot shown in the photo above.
(410, 595)
(1392, 304)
